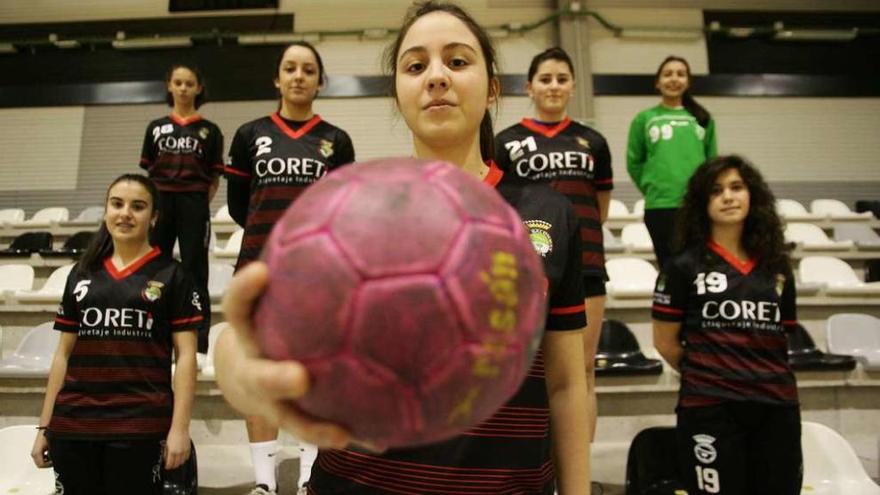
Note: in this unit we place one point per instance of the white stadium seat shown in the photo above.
(10, 216)
(15, 277)
(48, 216)
(222, 215)
(33, 357)
(232, 247)
(835, 209)
(219, 275)
(857, 335)
(836, 276)
(213, 334)
(639, 208)
(790, 209)
(831, 466)
(630, 277)
(812, 238)
(18, 474)
(90, 215)
(611, 243)
(51, 291)
(863, 235)
(617, 211)
(635, 236)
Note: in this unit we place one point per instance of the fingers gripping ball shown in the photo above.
(411, 293)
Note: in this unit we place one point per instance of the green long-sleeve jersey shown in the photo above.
(665, 146)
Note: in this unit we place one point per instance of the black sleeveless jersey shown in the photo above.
(511, 451)
(118, 380)
(575, 160)
(734, 317)
(182, 155)
(271, 164)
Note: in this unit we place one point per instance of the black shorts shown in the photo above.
(740, 448)
(84, 467)
(594, 285)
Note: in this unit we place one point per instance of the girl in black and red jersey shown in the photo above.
(722, 307)
(272, 160)
(443, 67)
(575, 160)
(183, 154)
(110, 421)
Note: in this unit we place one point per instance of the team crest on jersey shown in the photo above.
(704, 450)
(539, 233)
(780, 284)
(583, 142)
(153, 291)
(326, 149)
(203, 132)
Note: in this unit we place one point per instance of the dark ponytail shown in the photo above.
(101, 245)
(419, 9)
(687, 99)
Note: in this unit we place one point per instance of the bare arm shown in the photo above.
(56, 380)
(177, 444)
(567, 392)
(667, 343)
(603, 198)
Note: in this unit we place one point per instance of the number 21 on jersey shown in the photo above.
(515, 148)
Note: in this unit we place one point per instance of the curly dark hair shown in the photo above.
(763, 237)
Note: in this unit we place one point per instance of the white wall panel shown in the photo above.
(40, 148)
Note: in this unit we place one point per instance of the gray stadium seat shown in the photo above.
(33, 357)
(857, 335)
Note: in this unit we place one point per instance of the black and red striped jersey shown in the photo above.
(511, 451)
(118, 380)
(272, 161)
(575, 160)
(734, 319)
(182, 155)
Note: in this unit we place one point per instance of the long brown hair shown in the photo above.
(487, 134)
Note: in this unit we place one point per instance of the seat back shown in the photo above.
(32, 242)
(827, 270)
(90, 214)
(636, 235)
(632, 273)
(616, 339)
(608, 238)
(234, 242)
(11, 215)
(18, 474)
(16, 277)
(213, 334)
(39, 344)
(78, 242)
(852, 333)
(855, 232)
(830, 463)
(805, 233)
(652, 462)
(639, 207)
(617, 209)
(219, 276)
(57, 280)
(789, 207)
(51, 214)
(800, 342)
(223, 215)
(829, 207)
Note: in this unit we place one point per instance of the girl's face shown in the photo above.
(551, 86)
(129, 212)
(441, 81)
(673, 80)
(299, 76)
(184, 86)
(729, 199)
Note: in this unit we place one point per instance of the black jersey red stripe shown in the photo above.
(182, 155)
(273, 161)
(575, 160)
(510, 452)
(734, 315)
(118, 378)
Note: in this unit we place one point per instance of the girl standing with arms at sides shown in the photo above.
(273, 160)
(442, 66)
(666, 144)
(183, 154)
(532, 149)
(722, 306)
(110, 420)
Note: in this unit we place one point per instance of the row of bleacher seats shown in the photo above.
(851, 338)
(820, 209)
